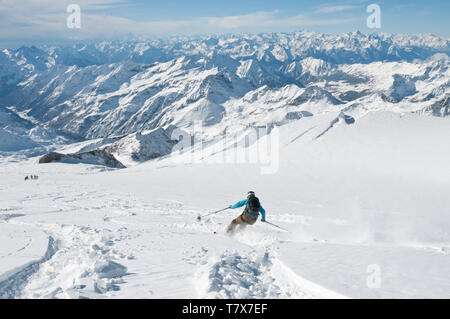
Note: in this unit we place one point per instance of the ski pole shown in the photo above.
(276, 226)
(213, 213)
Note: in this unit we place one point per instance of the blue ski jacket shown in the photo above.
(244, 202)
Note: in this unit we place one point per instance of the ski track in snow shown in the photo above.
(13, 285)
(85, 261)
(83, 265)
(81, 260)
(257, 275)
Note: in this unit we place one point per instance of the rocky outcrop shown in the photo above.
(97, 157)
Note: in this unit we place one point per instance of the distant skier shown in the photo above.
(26, 178)
(250, 214)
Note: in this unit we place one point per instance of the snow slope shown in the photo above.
(352, 196)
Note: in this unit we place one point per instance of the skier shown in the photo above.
(250, 214)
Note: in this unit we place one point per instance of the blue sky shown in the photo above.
(37, 21)
(399, 14)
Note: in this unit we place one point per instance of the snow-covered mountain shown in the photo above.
(109, 89)
(355, 143)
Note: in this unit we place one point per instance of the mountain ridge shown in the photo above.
(225, 83)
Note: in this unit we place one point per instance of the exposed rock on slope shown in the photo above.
(128, 150)
(142, 146)
(97, 157)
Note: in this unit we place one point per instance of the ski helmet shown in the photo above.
(250, 194)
